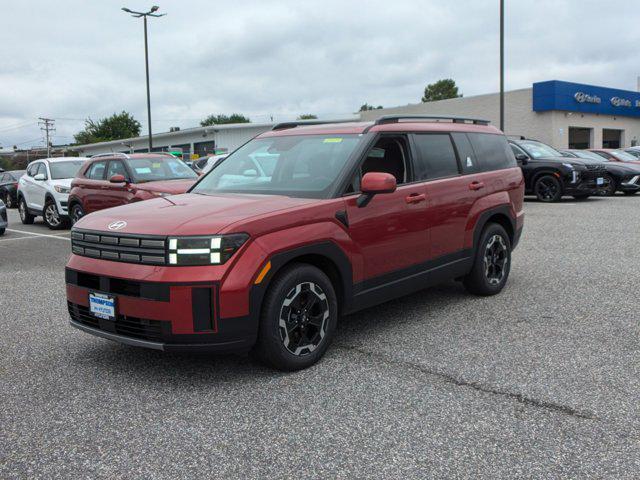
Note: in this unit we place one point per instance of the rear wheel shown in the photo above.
(299, 317)
(492, 262)
(548, 188)
(52, 217)
(76, 213)
(25, 216)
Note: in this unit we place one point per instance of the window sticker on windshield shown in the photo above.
(143, 170)
(332, 140)
(376, 153)
(156, 165)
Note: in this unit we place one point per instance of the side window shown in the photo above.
(33, 168)
(492, 151)
(4, 177)
(116, 167)
(96, 171)
(436, 156)
(468, 160)
(388, 155)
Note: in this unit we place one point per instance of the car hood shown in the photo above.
(189, 214)
(167, 186)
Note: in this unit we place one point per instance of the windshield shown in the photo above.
(298, 166)
(635, 153)
(151, 169)
(60, 170)
(624, 156)
(539, 149)
(590, 155)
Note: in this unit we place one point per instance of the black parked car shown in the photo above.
(3, 218)
(9, 187)
(624, 177)
(550, 176)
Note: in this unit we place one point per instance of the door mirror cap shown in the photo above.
(118, 179)
(40, 177)
(522, 158)
(374, 183)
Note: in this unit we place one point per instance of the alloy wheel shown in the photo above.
(304, 318)
(9, 201)
(22, 209)
(496, 256)
(76, 213)
(51, 215)
(547, 189)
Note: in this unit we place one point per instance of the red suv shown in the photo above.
(113, 179)
(297, 227)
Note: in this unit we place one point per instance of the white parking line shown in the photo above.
(59, 236)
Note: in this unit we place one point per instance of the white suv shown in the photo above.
(44, 190)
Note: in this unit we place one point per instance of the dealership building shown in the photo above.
(563, 114)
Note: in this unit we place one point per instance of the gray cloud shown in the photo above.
(76, 59)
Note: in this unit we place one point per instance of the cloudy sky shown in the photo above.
(70, 60)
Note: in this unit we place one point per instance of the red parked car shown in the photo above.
(297, 227)
(110, 180)
(616, 155)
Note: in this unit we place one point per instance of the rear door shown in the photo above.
(450, 195)
(93, 187)
(390, 232)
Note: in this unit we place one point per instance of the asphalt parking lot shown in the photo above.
(539, 381)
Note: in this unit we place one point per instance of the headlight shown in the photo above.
(60, 189)
(212, 250)
(568, 165)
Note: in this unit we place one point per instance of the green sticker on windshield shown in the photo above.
(332, 140)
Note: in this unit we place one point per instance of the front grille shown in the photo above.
(119, 286)
(593, 172)
(140, 328)
(143, 249)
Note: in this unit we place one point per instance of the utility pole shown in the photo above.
(47, 125)
(144, 15)
(502, 65)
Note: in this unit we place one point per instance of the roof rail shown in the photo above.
(302, 123)
(396, 119)
(112, 154)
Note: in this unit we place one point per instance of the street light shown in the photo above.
(150, 13)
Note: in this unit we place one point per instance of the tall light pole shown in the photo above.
(502, 65)
(150, 13)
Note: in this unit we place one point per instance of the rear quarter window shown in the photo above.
(468, 159)
(492, 151)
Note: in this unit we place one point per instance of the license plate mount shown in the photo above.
(102, 305)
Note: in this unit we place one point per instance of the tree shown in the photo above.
(115, 127)
(366, 107)
(307, 116)
(441, 90)
(224, 119)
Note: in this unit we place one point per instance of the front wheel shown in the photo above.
(76, 213)
(298, 320)
(51, 216)
(548, 189)
(25, 217)
(492, 262)
(610, 189)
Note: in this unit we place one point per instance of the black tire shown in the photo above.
(305, 324)
(25, 217)
(485, 281)
(76, 213)
(10, 202)
(611, 189)
(548, 188)
(4, 196)
(1, 231)
(52, 217)
(581, 197)
(630, 192)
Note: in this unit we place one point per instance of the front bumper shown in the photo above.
(159, 315)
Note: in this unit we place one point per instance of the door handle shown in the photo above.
(415, 198)
(476, 185)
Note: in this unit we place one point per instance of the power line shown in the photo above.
(47, 125)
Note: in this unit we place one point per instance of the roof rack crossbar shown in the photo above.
(112, 154)
(397, 118)
(302, 123)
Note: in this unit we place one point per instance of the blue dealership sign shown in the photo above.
(577, 97)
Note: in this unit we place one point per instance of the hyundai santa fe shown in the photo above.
(300, 225)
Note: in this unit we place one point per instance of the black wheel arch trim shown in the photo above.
(503, 211)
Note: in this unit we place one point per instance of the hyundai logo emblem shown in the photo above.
(120, 224)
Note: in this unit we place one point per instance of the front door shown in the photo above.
(93, 186)
(115, 194)
(390, 232)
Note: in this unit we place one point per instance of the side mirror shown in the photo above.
(118, 179)
(41, 177)
(374, 183)
(522, 158)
